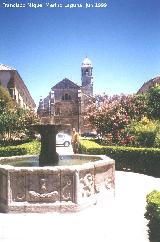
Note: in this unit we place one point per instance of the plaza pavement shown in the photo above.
(111, 220)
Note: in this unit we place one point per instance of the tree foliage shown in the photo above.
(154, 102)
(146, 132)
(111, 115)
(14, 121)
(6, 101)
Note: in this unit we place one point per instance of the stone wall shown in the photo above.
(11, 80)
(5, 76)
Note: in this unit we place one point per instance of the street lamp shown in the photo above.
(79, 108)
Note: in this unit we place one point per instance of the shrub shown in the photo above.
(142, 160)
(11, 151)
(145, 132)
(157, 140)
(153, 215)
(4, 143)
(31, 148)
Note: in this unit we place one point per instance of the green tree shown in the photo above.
(6, 101)
(14, 121)
(27, 119)
(154, 102)
(146, 132)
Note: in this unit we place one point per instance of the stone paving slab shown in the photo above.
(112, 220)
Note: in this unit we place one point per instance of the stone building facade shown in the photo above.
(149, 84)
(67, 102)
(12, 81)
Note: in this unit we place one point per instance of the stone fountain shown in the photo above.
(54, 187)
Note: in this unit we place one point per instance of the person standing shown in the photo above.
(75, 141)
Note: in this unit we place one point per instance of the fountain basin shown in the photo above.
(55, 188)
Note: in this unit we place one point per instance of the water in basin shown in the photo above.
(63, 161)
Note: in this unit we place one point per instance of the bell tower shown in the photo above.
(86, 76)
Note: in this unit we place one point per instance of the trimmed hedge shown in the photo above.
(153, 215)
(141, 160)
(30, 148)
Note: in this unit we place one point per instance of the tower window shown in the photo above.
(66, 97)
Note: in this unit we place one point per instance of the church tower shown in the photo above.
(86, 77)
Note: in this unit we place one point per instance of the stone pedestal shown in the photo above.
(48, 132)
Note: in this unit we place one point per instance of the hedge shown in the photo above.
(153, 215)
(30, 148)
(141, 160)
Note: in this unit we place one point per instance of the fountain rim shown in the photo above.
(103, 159)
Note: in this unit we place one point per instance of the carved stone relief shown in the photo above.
(43, 195)
(103, 178)
(67, 187)
(87, 185)
(43, 187)
(108, 183)
(3, 188)
(18, 193)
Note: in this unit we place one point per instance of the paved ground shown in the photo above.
(112, 220)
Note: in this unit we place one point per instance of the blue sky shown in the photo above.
(47, 44)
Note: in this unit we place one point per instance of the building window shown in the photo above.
(57, 111)
(66, 97)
